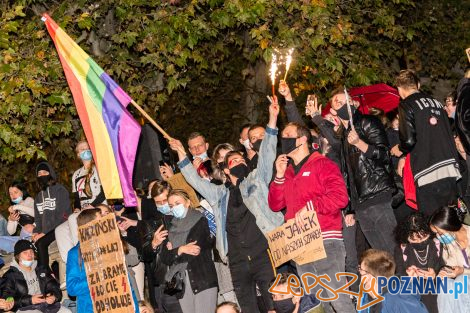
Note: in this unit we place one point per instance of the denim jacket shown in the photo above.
(254, 191)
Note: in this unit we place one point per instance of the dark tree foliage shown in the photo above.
(202, 64)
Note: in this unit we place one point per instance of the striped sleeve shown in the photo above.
(279, 181)
(332, 234)
(310, 206)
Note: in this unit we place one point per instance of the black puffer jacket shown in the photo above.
(371, 172)
(156, 268)
(16, 286)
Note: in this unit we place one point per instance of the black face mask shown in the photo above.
(44, 181)
(221, 165)
(284, 306)
(343, 112)
(288, 145)
(240, 171)
(257, 145)
(420, 246)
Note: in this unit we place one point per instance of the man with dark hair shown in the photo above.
(367, 168)
(310, 181)
(376, 263)
(251, 155)
(256, 134)
(426, 136)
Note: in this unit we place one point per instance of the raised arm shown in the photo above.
(267, 152)
(293, 114)
(211, 192)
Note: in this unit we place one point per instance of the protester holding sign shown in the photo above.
(32, 286)
(77, 282)
(189, 255)
(242, 215)
(312, 182)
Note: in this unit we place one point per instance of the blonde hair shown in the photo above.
(181, 193)
(89, 171)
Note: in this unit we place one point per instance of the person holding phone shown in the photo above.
(32, 286)
(153, 229)
(21, 213)
(455, 237)
(418, 253)
(189, 252)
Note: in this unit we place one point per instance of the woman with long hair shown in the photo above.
(21, 213)
(455, 237)
(86, 186)
(21, 209)
(188, 254)
(87, 193)
(418, 253)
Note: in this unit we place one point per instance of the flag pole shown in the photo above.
(151, 120)
(349, 108)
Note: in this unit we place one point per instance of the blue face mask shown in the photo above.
(202, 156)
(179, 211)
(446, 238)
(27, 263)
(17, 200)
(86, 155)
(164, 209)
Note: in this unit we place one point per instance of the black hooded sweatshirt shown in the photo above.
(52, 205)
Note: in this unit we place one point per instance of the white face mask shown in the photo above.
(246, 144)
(202, 156)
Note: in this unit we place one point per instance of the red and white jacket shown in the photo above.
(319, 186)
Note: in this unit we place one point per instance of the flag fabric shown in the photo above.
(111, 131)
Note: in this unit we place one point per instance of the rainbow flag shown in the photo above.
(111, 131)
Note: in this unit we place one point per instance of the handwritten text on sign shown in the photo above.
(105, 265)
(290, 242)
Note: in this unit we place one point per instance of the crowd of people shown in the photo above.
(390, 192)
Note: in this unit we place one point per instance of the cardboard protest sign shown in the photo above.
(290, 242)
(105, 266)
